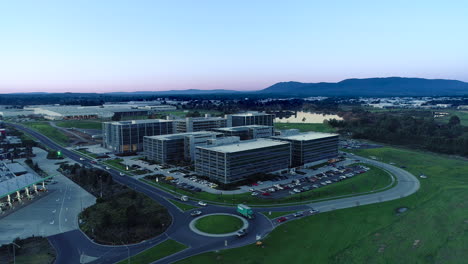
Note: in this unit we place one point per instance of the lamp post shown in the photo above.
(14, 255)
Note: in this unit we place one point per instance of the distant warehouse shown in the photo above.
(311, 147)
(127, 136)
(235, 162)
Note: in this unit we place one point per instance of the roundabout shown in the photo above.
(218, 225)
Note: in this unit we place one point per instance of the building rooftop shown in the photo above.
(250, 114)
(209, 118)
(241, 128)
(245, 145)
(179, 135)
(142, 121)
(306, 136)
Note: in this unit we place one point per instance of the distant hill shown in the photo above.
(392, 86)
(175, 92)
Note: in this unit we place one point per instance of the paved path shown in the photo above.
(74, 246)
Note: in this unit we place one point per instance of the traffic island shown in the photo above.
(218, 225)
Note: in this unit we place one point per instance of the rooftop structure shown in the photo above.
(176, 147)
(194, 124)
(247, 132)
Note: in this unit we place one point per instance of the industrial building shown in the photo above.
(176, 147)
(127, 136)
(250, 118)
(194, 124)
(247, 132)
(235, 162)
(310, 147)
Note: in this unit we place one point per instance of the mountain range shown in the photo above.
(392, 86)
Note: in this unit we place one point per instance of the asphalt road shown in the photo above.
(75, 247)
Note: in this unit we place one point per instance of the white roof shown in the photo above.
(307, 136)
(140, 121)
(16, 183)
(245, 145)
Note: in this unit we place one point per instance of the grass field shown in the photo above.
(47, 130)
(182, 206)
(433, 230)
(83, 124)
(316, 127)
(159, 251)
(33, 250)
(374, 179)
(219, 224)
(463, 115)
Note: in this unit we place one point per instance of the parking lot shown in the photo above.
(307, 183)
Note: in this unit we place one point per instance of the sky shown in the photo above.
(137, 45)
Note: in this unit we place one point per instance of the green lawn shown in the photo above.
(274, 215)
(182, 206)
(433, 230)
(159, 251)
(316, 127)
(117, 163)
(47, 130)
(374, 179)
(85, 152)
(219, 224)
(83, 124)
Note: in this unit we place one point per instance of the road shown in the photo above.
(75, 247)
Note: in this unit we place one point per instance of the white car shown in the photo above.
(107, 168)
(81, 159)
(297, 190)
(122, 174)
(202, 203)
(251, 189)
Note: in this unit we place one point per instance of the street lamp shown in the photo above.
(14, 256)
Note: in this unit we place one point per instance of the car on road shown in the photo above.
(266, 194)
(297, 190)
(196, 213)
(241, 233)
(107, 168)
(313, 211)
(298, 214)
(202, 203)
(122, 174)
(81, 159)
(281, 219)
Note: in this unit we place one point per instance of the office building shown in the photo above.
(247, 132)
(176, 147)
(195, 124)
(250, 118)
(235, 162)
(310, 147)
(127, 136)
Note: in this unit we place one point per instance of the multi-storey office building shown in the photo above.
(311, 147)
(235, 162)
(194, 124)
(176, 147)
(127, 136)
(250, 118)
(247, 132)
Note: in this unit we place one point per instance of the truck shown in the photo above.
(245, 211)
